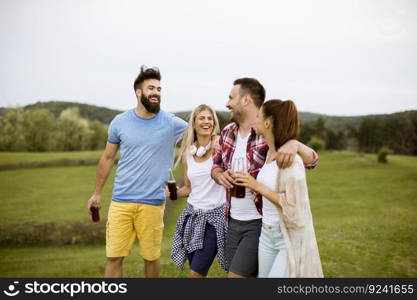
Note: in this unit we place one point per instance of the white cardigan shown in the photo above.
(297, 223)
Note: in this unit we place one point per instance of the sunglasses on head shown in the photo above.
(145, 68)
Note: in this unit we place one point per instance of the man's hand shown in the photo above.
(95, 200)
(286, 153)
(225, 179)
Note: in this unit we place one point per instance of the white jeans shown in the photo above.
(272, 254)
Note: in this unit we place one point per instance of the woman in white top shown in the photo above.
(200, 231)
(287, 245)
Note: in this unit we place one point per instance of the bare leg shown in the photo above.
(152, 268)
(194, 274)
(234, 275)
(114, 267)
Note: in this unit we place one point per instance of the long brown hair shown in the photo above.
(284, 117)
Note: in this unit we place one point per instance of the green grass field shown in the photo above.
(364, 215)
(19, 157)
(49, 194)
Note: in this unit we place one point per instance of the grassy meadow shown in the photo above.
(18, 157)
(364, 216)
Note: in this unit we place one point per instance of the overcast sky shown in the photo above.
(333, 57)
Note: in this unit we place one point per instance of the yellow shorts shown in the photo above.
(127, 220)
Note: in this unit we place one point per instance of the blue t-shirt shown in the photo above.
(146, 155)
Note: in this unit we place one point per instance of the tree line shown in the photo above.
(369, 134)
(39, 130)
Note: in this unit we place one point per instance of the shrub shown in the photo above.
(382, 154)
(53, 233)
(317, 143)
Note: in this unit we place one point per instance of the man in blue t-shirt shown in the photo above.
(146, 137)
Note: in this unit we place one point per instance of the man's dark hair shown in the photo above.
(252, 87)
(146, 73)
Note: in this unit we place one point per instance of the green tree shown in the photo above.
(39, 130)
(336, 141)
(399, 134)
(98, 136)
(12, 137)
(73, 131)
(306, 132)
(369, 135)
(320, 129)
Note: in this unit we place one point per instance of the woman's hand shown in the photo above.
(245, 179)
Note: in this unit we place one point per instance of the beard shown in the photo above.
(236, 116)
(150, 106)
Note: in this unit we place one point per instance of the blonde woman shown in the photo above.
(200, 230)
(287, 245)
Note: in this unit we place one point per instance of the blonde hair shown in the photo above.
(190, 136)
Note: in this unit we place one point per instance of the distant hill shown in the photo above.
(87, 111)
(105, 115)
(334, 122)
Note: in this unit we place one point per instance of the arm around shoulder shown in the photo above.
(309, 156)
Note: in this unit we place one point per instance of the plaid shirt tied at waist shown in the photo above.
(189, 235)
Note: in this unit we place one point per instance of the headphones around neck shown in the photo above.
(200, 151)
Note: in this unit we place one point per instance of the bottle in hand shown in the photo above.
(172, 187)
(239, 165)
(95, 215)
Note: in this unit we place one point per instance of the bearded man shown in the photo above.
(146, 137)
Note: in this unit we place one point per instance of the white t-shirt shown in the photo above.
(243, 209)
(268, 176)
(205, 193)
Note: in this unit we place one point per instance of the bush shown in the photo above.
(316, 143)
(382, 154)
(39, 130)
(53, 233)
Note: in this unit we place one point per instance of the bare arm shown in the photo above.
(245, 179)
(307, 154)
(185, 190)
(104, 168)
(223, 177)
(286, 153)
(271, 195)
(292, 200)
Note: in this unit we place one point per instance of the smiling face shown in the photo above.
(150, 95)
(204, 123)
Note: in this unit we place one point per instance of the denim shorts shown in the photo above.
(273, 253)
(242, 242)
(201, 259)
